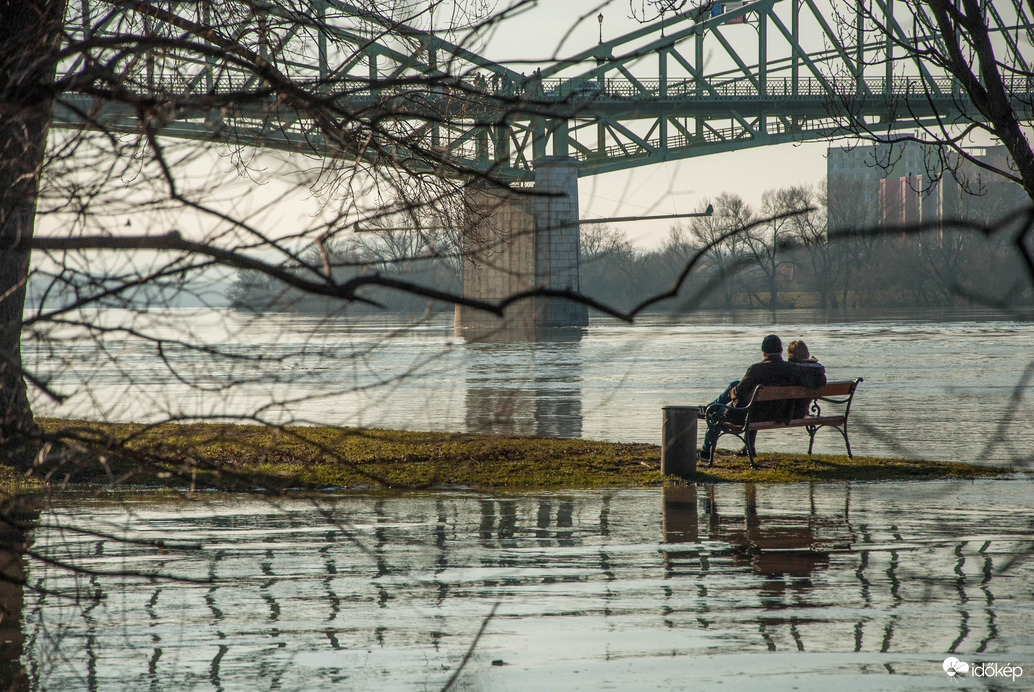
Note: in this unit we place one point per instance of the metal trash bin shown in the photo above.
(679, 440)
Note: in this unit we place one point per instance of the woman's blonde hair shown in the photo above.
(798, 351)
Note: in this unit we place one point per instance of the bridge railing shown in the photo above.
(465, 105)
(208, 79)
(709, 135)
(775, 87)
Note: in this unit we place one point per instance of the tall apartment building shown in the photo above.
(853, 176)
(901, 201)
(889, 185)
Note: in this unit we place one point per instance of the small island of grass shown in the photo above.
(254, 457)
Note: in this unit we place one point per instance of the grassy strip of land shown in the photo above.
(249, 457)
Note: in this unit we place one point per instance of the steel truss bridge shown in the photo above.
(334, 79)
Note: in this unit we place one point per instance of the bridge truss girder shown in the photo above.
(766, 72)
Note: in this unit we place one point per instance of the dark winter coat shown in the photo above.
(813, 376)
(772, 371)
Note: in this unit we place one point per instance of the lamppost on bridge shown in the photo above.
(599, 18)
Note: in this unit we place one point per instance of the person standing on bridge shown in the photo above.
(536, 83)
(772, 370)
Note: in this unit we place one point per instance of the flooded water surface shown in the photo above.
(859, 586)
(955, 390)
(881, 586)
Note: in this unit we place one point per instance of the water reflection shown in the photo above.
(526, 410)
(619, 587)
(17, 517)
(784, 549)
(519, 334)
(773, 545)
(531, 388)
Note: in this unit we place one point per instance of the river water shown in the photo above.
(860, 586)
(932, 388)
(812, 587)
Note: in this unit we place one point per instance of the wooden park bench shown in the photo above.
(837, 394)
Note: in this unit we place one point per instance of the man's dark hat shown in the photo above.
(771, 344)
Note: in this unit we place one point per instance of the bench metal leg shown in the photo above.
(750, 447)
(843, 433)
(742, 437)
(847, 442)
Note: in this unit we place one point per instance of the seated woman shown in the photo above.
(813, 373)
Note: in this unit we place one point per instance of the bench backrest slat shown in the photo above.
(828, 389)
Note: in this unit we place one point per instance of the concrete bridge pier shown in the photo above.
(516, 240)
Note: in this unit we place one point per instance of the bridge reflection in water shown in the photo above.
(531, 388)
(629, 586)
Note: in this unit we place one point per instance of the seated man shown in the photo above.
(773, 371)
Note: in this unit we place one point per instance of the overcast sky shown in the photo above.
(551, 29)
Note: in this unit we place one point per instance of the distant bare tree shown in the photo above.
(769, 242)
(720, 239)
(678, 248)
(608, 263)
(850, 213)
(810, 231)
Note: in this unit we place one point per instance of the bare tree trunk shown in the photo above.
(29, 31)
(773, 290)
(983, 81)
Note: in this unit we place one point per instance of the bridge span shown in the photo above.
(331, 78)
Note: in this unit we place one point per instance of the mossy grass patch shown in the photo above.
(255, 457)
(784, 467)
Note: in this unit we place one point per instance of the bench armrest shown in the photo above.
(717, 412)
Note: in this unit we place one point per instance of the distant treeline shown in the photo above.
(792, 251)
(422, 258)
(795, 252)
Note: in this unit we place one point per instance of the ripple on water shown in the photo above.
(866, 585)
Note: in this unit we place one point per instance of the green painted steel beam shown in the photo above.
(776, 71)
